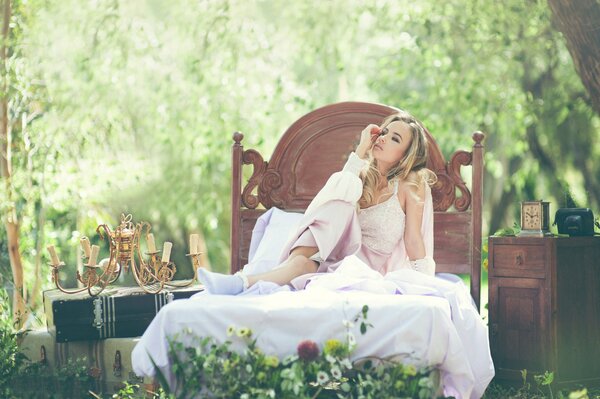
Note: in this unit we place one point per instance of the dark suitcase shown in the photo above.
(117, 312)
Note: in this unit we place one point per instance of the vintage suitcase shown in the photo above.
(116, 313)
(108, 360)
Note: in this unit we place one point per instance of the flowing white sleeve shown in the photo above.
(344, 185)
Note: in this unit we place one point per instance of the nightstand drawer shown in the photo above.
(518, 261)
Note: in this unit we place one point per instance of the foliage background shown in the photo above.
(129, 106)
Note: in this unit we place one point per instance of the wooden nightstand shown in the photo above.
(544, 307)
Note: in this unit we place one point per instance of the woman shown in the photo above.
(378, 208)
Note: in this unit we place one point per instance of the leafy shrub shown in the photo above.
(10, 358)
(20, 378)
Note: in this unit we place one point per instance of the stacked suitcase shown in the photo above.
(102, 329)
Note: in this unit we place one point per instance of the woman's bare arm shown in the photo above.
(413, 199)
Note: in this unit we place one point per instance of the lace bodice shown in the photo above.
(382, 225)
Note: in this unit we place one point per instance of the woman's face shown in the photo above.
(391, 146)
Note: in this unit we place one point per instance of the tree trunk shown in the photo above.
(34, 294)
(11, 220)
(579, 22)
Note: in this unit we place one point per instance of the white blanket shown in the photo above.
(422, 320)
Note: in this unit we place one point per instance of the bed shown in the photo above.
(453, 337)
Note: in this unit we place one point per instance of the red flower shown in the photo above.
(308, 350)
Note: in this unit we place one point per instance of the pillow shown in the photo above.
(271, 232)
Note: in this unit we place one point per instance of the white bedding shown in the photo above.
(423, 320)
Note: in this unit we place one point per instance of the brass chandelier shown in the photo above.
(152, 274)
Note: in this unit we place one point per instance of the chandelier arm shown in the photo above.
(181, 285)
(60, 287)
(144, 267)
(114, 258)
(105, 275)
(102, 287)
(105, 278)
(137, 248)
(103, 230)
(142, 284)
(117, 274)
(155, 277)
(68, 291)
(110, 270)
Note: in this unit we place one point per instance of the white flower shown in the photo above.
(322, 377)
(346, 363)
(330, 358)
(348, 324)
(336, 373)
(244, 396)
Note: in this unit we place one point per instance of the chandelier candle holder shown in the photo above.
(152, 273)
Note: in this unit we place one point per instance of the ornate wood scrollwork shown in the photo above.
(271, 181)
(448, 180)
(253, 157)
(442, 191)
(460, 158)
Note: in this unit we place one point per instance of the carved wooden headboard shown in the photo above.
(317, 145)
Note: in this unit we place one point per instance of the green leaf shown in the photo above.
(162, 380)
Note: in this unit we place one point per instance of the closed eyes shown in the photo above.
(396, 137)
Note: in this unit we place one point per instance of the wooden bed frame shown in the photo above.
(317, 145)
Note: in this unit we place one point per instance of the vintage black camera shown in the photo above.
(575, 221)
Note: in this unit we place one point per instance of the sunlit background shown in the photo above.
(129, 106)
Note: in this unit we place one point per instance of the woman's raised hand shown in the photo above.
(367, 139)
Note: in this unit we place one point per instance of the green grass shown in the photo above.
(501, 391)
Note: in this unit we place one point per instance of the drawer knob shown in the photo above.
(519, 260)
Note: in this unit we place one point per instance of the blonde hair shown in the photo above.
(414, 160)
